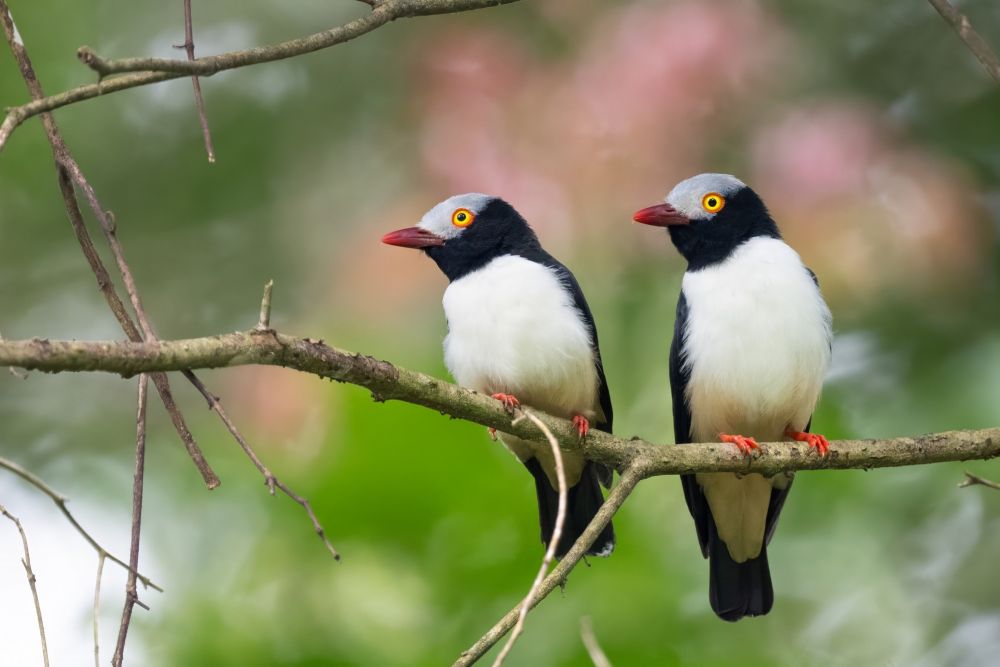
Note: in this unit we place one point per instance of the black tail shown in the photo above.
(582, 503)
(737, 589)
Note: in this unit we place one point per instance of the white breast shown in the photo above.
(757, 347)
(757, 343)
(513, 328)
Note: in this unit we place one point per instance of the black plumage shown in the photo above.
(498, 231)
(735, 589)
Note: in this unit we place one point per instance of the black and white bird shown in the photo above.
(520, 329)
(751, 347)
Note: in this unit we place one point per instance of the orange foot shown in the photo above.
(814, 440)
(493, 433)
(744, 444)
(582, 425)
(509, 401)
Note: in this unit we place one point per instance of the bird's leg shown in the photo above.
(582, 425)
(814, 440)
(744, 444)
(493, 433)
(509, 401)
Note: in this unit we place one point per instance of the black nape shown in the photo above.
(707, 242)
(498, 230)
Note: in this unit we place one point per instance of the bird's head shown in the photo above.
(464, 232)
(708, 216)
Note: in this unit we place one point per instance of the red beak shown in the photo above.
(661, 215)
(412, 237)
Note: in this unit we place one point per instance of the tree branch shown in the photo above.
(131, 594)
(975, 43)
(26, 562)
(550, 551)
(632, 475)
(594, 650)
(97, 609)
(60, 501)
(389, 382)
(199, 101)
(145, 71)
(976, 480)
(67, 172)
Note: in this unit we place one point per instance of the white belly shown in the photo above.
(757, 347)
(513, 328)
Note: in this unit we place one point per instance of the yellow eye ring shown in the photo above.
(713, 202)
(462, 217)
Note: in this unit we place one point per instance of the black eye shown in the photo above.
(461, 217)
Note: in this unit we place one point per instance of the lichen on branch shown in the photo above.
(387, 381)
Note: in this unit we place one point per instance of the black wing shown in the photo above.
(693, 495)
(606, 420)
(679, 377)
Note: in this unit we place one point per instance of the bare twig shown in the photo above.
(67, 171)
(597, 655)
(269, 479)
(131, 594)
(550, 552)
(60, 502)
(631, 476)
(974, 480)
(973, 40)
(198, 100)
(107, 288)
(264, 323)
(312, 516)
(97, 609)
(26, 561)
(153, 70)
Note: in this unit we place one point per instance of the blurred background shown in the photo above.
(868, 128)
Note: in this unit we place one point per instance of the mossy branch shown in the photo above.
(389, 382)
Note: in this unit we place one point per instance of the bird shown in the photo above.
(520, 330)
(751, 346)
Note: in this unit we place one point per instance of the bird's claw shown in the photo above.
(814, 440)
(582, 426)
(744, 444)
(493, 433)
(510, 402)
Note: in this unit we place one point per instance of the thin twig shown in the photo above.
(154, 70)
(26, 561)
(631, 476)
(594, 650)
(973, 40)
(269, 479)
(550, 552)
(107, 288)
(264, 322)
(974, 480)
(131, 594)
(68, 171)
(198, 100)
(97, 609)
(312, 516)
(60, 502)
